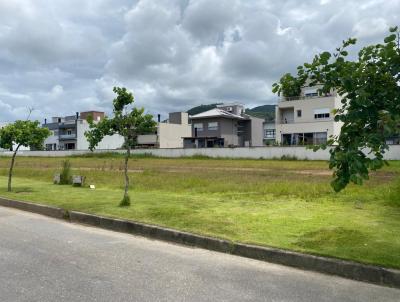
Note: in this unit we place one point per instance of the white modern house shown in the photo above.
(307, 119)
(68, 133)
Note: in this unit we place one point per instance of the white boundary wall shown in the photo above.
(245, 152)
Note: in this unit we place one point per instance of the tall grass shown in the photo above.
(65, 175)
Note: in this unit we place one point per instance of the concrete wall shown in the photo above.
(147, 139)
(257, 132)
(171, 135)
(228, 131)
(108, 142)
(181, 118)
(252, 152)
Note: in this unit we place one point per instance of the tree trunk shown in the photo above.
(128, 153)
(126, 200)
(10, 172)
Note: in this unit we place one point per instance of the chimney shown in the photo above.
(45, 121)
(159, 117)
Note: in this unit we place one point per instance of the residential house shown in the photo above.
(307, 119)
(269, 133)
(227, 125)
(169, 134)
(68, 133)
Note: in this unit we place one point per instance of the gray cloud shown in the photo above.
(65, 56)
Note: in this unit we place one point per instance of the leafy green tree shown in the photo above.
(129, 122)
(370, 90)
(22, 133)
(289, 86)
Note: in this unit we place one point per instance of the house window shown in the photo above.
(321, 113)
(69, 132)
(269, 133)
(310, 92)
(198, 126)
(320, 138)
(298, 113)
(212, 126)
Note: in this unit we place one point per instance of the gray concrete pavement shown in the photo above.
(43, 259)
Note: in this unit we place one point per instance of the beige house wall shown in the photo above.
(307, 122)
(171, 135)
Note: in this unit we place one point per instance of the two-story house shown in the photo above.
(68, 133)
(226, 125)
(269, 133)
(307, 119)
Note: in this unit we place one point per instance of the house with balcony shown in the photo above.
(227, 125)
(269, 133)
(68, 133)
(307, 119)
(169, 133)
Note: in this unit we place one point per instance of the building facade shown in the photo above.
(307, 119)
(269, 133)
(169, 134)
(68, 133)
(225, 126)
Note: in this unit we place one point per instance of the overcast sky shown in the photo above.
(63, 56)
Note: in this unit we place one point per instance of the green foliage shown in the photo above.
(202, 108)
(370, 112)
(128, 121)
(65, 175)
(23, 133)
(289, 86)
(266, 112)
(289, 157)
(125, 202)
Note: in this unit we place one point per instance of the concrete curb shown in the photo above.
(35, 208)
(332, 266)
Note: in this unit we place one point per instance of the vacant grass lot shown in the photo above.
(285, 204)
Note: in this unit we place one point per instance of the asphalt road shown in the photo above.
(43, 259)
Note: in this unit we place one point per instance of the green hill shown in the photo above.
(266, 112)
(202, 108)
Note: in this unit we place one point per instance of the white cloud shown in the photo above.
(65, 56)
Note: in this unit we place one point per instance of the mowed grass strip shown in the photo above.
(285, 204)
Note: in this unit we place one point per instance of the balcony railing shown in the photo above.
(302, 97)
(68, 136)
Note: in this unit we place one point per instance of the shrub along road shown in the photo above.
(49, 260)
(285, 204)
